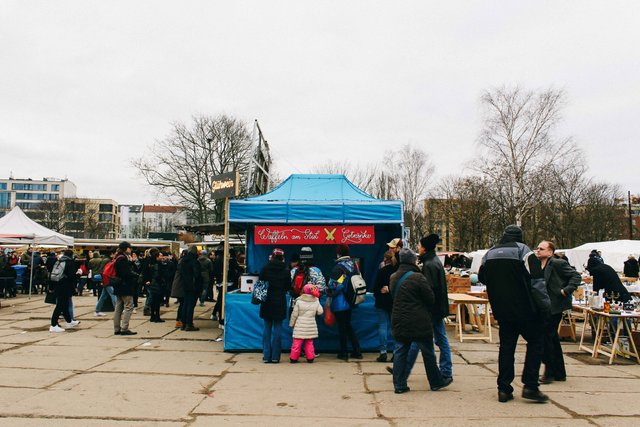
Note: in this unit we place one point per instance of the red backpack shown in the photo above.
(300, 278)
(109, 271)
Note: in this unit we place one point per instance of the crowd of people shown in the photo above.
(528, 292)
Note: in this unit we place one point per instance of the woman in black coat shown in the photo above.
(274, 309)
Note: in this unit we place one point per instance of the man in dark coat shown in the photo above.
(274, 309)
(561, 281)
(190, 280)
(433, 270)
(631, 267)
(508, 286)
(411, 322)
(605, 277)
(206, 269)
(383, 302)
(124, 289)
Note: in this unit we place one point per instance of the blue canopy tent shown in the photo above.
(311, 200)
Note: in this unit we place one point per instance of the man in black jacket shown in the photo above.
(411, 322)
(126, 281)
(433, 270)
(508, 286)
(63, 289)
(561, 281)
(605, 277)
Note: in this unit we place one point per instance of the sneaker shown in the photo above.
(73, 323)
(382, 357)
(99, 314)
(535, 395)
(55, 329)
(128, 332)
(503, 396)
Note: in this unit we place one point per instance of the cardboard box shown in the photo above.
(247, 282)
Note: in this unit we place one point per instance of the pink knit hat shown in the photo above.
(311, 289)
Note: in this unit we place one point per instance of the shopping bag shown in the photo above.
(50, 297)
(259, 293)
(329, 316)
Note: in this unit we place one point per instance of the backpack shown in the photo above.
(109, 272)
(57, 273)
(300, 278)
(356, 288)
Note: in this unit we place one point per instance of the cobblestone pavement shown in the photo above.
(167, 377)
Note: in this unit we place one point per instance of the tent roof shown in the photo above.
(614, 253)
(16, 227)
(316, 199)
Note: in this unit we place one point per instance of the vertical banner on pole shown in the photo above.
(224, 186)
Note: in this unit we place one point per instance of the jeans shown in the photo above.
(272, 340)
(384, 320)
(402, 366)
(296, 348)
(71, 307)
(123, 310)
(442, 341)
(80, 285)
(107, 291)
(552, 357)
(343, 318)
(533, 333)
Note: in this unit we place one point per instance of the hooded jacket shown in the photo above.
(412, 305)
(303, 317)
(338, 281)
(605, 277)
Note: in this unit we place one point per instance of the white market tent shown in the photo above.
(614, 253)
(16, 227)
(476, 259)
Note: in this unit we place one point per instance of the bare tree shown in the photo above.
(518, 143)
(182, 165)
(50, 214)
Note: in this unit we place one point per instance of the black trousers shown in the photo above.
(533, 333)
(156, 301)
(62, 307)
(343, 318)
(552, 357)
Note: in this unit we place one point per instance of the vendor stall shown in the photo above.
(319, 211)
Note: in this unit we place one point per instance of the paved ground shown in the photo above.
(165, 377)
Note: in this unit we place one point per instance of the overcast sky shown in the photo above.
(87, 85)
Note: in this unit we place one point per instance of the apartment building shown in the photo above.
(137, 221)
(30, 193)
(91, 218)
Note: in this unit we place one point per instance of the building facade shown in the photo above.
(28, 194)
(91, 218)
(138, 221)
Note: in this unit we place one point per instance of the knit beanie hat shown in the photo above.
(342, 249)
(512, 233)
(429, 243)
(306, 253)
(407, 256)
(311, 289)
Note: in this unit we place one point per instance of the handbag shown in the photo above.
(50, 297)
(329, 316)
(259, 293)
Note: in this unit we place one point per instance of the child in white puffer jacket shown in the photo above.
(303, 322)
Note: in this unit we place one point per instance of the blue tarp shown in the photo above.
(243, 327)
(316, 199)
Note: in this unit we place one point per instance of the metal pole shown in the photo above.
(630, 219)
(225, 262)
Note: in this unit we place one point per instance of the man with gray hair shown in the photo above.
(411, 322)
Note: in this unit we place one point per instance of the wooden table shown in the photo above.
(470, 303)
(604, 325)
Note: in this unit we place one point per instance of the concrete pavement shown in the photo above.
(167, 377)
